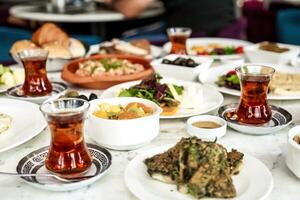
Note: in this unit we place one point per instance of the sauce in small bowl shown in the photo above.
(206, 127)
(206, 124)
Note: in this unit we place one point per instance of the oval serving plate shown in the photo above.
(281, 118)
(58, 88)
(34, 163)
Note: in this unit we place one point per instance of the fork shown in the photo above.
(66, 180)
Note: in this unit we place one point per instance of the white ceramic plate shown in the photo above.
(254, 181)
(211, 75)
(206, 40)
(155, 50)
(212, 99)
(22, 128)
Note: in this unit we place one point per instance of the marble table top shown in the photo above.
(270, 149)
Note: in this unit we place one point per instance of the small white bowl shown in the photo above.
(254, 54)
(182, 72)
(123, 134)
(204, 133)
(293, 152)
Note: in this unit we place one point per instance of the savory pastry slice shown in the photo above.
(204, 170)
(235, 160)
(164, 166)
(208, 182)
(198, 168)
(285, 84)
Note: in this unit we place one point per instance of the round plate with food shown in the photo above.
(283, 86)
(15, 125)
(217, 48)
(177, 98)
(154, 174)
(141, 48)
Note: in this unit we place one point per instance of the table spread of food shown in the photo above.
(121, 121)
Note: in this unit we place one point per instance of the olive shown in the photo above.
(83, 97)
(93, 96)
(177, 61)
(72, 93)
(191, 63)
(166, 61)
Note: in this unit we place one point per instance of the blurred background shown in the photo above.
(94, 21)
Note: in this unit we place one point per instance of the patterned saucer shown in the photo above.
(281, 118)
(58, 88)
(34, 163)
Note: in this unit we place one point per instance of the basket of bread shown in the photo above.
(61, 47)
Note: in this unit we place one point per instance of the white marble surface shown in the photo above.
(270, 149)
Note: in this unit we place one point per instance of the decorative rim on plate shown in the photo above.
(35, 160)
(58, 87)
(280, 119)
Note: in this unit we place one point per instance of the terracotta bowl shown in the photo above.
(103, 82)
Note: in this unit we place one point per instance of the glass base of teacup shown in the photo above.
(70, 175)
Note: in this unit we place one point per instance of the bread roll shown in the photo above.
(76, 48)
(57, 51)
(22, 45)
(49, 33)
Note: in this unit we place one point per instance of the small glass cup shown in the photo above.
(68, 155)
(253, 107)
(178, 37)
(36, 81)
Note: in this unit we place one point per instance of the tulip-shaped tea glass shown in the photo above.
(178, 37)
(253, 107)
(68, 155)
(36, 81)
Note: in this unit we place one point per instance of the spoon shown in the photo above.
(66, 180)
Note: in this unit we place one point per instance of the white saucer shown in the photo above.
(281, 118)
(58, 89)
(34, 163)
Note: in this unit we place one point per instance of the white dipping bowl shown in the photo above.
(205, 133)
(256, 55)
(182, 72)
(123, 134)
(293, 152)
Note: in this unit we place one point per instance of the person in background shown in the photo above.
(203, 16)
